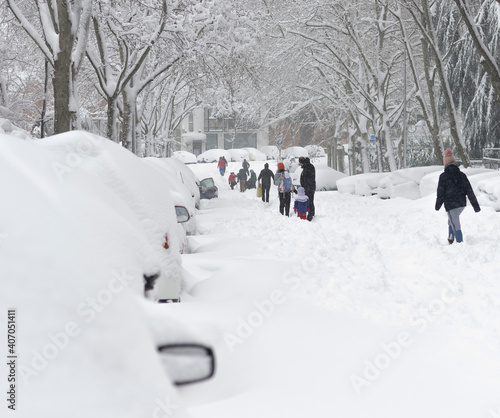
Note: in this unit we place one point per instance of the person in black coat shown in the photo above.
(246, 166)
(453, 187)
(242, 179)
(308, 182)
(265, 180)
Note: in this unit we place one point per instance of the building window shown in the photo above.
(242, 140)
(211, 123)
(212, 141)
(191, 122)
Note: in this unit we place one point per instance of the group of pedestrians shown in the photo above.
(304, 202)
(452, 191)
(245, 177)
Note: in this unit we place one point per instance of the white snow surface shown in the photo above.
(364, 312)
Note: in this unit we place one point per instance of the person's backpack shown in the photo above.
(277, 179)
(287, 183)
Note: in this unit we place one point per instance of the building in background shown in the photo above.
(200, 131)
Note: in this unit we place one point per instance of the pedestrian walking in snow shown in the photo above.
(242, 179)
(285, 189)
(265, 177)
(301, 206)
(308, 182)
(453, 187)
(246, 165)
(222, 165)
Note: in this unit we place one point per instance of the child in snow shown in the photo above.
(452, 189)
(232, 180)
(301, 205)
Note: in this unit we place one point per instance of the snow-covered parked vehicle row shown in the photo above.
(84, 229)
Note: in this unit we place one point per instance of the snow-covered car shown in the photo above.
(213, 155)
(255, 155)
(181, 195)
(185, 156)
(295, 152)
(238, 154)
(326, 177)
(136, 184)
(271, 151)
(208, 189)
(77, 254)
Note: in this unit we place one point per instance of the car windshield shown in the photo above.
(206, 183)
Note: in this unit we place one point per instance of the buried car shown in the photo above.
(77, 257)
(208, 189)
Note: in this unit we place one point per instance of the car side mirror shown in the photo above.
(182, 214)
(187, 363)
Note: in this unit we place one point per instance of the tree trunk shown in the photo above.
(450, 106)
(62, 72)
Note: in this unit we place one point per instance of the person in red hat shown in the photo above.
(452, 190)
(285, 187)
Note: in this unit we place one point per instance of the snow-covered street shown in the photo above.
(364, 312)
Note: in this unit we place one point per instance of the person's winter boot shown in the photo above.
(458, 236)
(451, 235)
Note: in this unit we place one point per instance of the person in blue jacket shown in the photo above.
(301, 206)
(453, 187)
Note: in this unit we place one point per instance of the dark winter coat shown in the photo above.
(265, 176)
(308, 177)
(452, 189)
(242, 174)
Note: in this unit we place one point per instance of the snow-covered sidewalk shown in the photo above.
(364, 312)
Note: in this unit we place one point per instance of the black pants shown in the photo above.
(310, 195)
(285, 203)
(265, 193)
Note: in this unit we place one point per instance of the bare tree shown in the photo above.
(59, 28)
